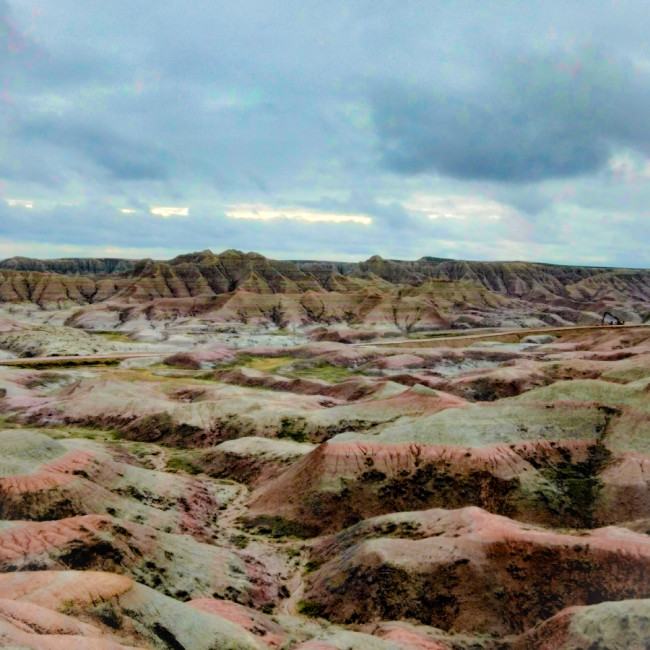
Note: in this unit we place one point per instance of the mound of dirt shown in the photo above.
(473, 571)
(44, 479)
(175, 565)
(123, 614)
(251, 460)
(569, 484)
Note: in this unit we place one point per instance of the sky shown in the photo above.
(302, 129)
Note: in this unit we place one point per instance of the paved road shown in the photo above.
(526, 331)
(118, 356)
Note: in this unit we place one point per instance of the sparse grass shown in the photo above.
(108, 614)
(436, 335)
(112, 336)
(324, 372)
(627, 374)
(6, 422)
(576, 486)
(179, 462)
(276, 527)
(294, 429)
(266, 364)
(88, 433)
(43, 380)
(312, 565)
(240, 541)
(68, 607)
(309, 608)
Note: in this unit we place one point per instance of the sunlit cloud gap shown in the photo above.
(165, 212)
(459, 208)
(20, 203)
(266, 214)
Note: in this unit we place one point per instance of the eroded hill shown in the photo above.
(404, 296)
(481, 491)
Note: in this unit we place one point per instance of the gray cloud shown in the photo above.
(123, 158)
(529, 120)
(337, 106)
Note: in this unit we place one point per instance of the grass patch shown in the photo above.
(43, 380)
(109, 615)
(266, 364)
(312, 565)
(240, 541)
(68, 607)
(282, 332)
(294, 429)
(6, 422)
(324, 372)
(310, 608)
(182, 463)
(437, 335)
(276, 527)
(112, 336)
(88, 433)
(576, 487)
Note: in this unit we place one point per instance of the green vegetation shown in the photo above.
(294, 429)
(156, 426)
(575, 487)
(88, 433)
(437, 335)
(68, 607)
(312, 565)
(43, 380)
(108, 614)
(180, 462)
(112, 336)
(627, 374)
(240, 541)
(324, 372)
(309, 608)
(265, 364)
(276, 527)
(439, 486)
(6, 422)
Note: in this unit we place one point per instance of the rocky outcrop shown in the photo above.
(565, 483)
(428, 292)
(471, 571)
(69, 266)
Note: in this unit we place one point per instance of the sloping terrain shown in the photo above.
(263, 490)
(471, 571)
(232, 286)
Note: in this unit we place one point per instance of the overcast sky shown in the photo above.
(326, 130)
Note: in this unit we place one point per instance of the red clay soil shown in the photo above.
(340, 483)
(250, 619)
(469, 570)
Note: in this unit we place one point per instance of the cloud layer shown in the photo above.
(521, 129)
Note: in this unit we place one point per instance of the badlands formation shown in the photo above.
(226, 451)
